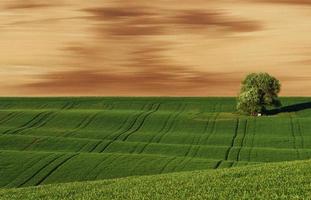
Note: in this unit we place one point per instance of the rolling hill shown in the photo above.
(284, 180)
(60, 140)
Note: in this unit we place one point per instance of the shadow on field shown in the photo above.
(291, 108)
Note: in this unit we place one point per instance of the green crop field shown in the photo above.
(62, 140)
(284, 180)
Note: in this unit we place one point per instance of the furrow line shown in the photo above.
(233, 139)
(89, 121)
(125, 122)
(163, 127)
(199, 141)
(242, 142)
(50, 117)
(213, 127)
(171, 124)
(253, 140)
(29, 163)
(188, 151)
(185, 163)
(136, 116)
(166, 165)
(42, 120)
(114, 158)
(68, 105)
(8, 117)
(95, 146)
(82, 147)
(107, 145)
(140, 161)
(232, 163)
(36, 117)
(196, 151)
(118, 136)
(143, 149)
(38, 171)
(218, 164)
(54, 169)
(83, 124)
(135, 121)
(300, 133)
(141, 123)
(33, 142)
(97, 165)
(294, 136)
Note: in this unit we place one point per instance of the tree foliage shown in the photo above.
(258, 91)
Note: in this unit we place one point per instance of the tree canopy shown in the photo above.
(258, 91)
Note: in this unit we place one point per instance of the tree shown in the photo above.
(258, 91)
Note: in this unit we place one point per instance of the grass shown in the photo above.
(59, 140)
(285, 180)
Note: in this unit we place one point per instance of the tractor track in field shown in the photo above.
(292, 128)
(68, 105)
(83, 124)
(54, 169)
(253, 140)
(127, 120)
(196, 151)
(238, 158)
(198, 138)
(106, 106)
(95, 146)
(145, 114)
(144, 148)
(161, 130)
(170, 126)
(83, 146)
(10, 117)
(167, 164)
(32, 143)
(37, 122)
(29, 163)
(141, 123)
(26, 125)
(49, 118)
(97, 165)
(180, 163)
(233, 139)
(43, 106)
(39, 170)
(163, 127)
(7, 117)
(110, 106)
(300, 134)
(140, 161)
(139, 127)
(188, 151)
(135, 148)
(232, 163)
(213, 125)
(185, 163)
(91, 146)
(218, 164)
(114, 158)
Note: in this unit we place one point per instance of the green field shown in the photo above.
(285, 180)
(60, 140)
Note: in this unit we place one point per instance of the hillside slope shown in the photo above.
(286, 180)
(58, 140)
